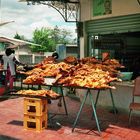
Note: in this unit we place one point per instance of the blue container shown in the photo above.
(126, 76)
(61, 50)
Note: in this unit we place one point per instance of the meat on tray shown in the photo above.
(43, 92)
(88, 72)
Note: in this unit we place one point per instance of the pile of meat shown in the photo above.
(42, 92)
(87, 72)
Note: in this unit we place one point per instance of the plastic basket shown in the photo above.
(126, 76)
(35, 106)
(37, 123)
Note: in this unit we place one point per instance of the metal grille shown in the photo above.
(67, 8)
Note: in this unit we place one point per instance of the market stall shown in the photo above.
(88, 74)
(35, 107)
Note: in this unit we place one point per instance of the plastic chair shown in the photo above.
(136, 93)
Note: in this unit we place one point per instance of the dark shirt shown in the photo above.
(136, 71)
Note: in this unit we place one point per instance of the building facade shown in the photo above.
(110, 26)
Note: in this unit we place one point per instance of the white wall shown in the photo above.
(85, 11)
(119, 8)
(122, 97)
(82, 46)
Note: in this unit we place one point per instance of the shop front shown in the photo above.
(120, 36)
(113, 27)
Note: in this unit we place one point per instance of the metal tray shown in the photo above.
(34, 96)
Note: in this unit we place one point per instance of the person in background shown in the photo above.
(0, 62)
(105, 56)
(55, 55)
(136, 68)
(2, 81)
(9, 64)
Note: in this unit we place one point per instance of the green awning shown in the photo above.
(121, 24)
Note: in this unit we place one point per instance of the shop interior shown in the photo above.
(124, 47)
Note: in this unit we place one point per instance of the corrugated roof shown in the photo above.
(16, 42)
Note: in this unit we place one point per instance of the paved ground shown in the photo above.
(113, 127)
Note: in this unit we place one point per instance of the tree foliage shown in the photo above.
(41, 37)
(48, 38)
(20, 37)
(65, 36)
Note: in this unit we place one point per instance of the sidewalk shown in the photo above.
(113, 127)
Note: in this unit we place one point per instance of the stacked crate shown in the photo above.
(35, 114)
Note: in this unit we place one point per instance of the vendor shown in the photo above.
(136, 68)
(55, 55)
(105, 56)
(9, 64)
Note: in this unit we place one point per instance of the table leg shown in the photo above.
(114, 108)
(50, 87)
(21, 82)
(64, 101)
(49, 100)
(81, 107)
(97, 97)
(112, 99)
(94, 112)
(39, 87)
